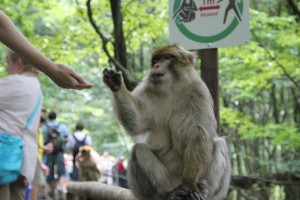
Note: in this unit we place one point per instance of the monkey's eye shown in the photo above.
(162, 58)
(155, 60)
(167, 57)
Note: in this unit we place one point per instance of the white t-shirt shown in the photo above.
(79, 136)
(19, 94)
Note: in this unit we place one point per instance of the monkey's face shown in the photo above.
(161, 68)
(84, 153)
(171, 65)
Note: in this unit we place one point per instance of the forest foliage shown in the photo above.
(259, 82)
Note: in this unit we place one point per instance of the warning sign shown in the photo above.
(202, 24)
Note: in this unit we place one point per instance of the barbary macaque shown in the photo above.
(87, 167)
(177, 153)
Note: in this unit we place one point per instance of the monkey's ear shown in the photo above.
(192, 56)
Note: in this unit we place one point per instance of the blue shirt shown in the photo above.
(62, 128)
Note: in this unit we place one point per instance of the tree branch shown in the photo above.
(128, 78)
(96, 190)
(247, 181)
(285, 72)
(294, 8)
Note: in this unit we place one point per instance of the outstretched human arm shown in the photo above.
(61, 74)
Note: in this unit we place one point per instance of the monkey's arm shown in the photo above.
(126, 109)
(125, 105)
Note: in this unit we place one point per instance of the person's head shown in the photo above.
(79, 127)
(15, 64)
(52, 115)
(42, 121)
(105, 153)
(44, 112)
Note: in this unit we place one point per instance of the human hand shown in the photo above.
(46, 169)
(66, 77)
(48, 148)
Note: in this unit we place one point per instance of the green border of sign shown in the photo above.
(204, 39)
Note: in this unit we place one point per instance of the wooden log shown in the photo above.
(99, 191)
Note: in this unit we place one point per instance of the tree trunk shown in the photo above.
(119, 42)
(274, 102)
(120, 49)
(294, 8)
(296, 102)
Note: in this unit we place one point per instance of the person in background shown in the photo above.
(20, 97)
(42, 170)
(121, 170)
(107, 163)
(44, 114)
(56, 157)
(61, 74)
(75, 141)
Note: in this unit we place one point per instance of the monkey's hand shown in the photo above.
(112, 79)
(183, 192)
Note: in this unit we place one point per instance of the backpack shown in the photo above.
(78, 144)
(54, 137)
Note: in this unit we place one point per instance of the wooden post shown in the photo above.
(210, 75)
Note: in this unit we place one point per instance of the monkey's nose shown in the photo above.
(156, 66)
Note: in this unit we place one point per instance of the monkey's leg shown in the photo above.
(147, 176)
(183, 16)
(219, 172)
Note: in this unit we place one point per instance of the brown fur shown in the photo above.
(87, 167)
(178, 154)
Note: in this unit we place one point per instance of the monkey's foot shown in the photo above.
(182, 192)
(112, 79)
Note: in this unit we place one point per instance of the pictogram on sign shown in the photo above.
(199, 24)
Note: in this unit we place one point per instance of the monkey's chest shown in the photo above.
(159, 141)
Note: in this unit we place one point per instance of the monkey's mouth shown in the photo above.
(156, 76)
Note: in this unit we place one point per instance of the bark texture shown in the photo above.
(99, 191)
